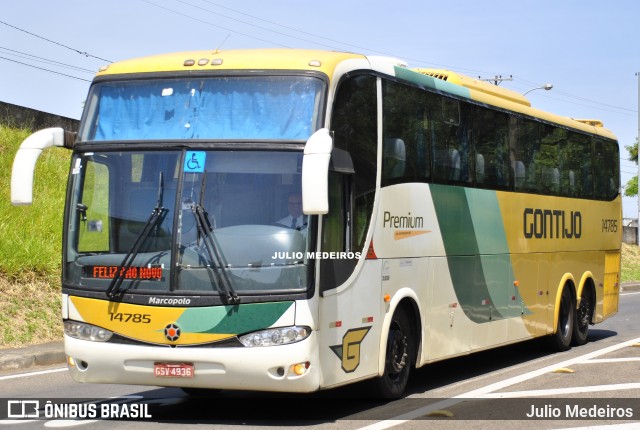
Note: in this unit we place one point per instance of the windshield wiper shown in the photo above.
(216, 258)
(155, 219)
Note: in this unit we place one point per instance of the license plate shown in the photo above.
(173, 370)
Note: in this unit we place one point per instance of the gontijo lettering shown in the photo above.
(552, 224)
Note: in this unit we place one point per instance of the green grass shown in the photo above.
(31, 236)
(30, 247)
(630, 263)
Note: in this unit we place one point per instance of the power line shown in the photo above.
(86, 54)
(32, 57)
(210, 24)
(253, 25)
(627, 111)
(46, 70)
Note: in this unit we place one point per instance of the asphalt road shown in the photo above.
(493, 389)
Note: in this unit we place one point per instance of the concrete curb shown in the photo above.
(35, 355)
(53, 352)
(630, 287)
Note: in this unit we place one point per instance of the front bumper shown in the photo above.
(233, 368)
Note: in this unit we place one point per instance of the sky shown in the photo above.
(587, 49)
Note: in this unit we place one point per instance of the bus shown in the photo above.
(292, 220)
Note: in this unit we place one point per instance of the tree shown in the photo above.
(631, 187)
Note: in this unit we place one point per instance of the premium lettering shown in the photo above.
(407, 221)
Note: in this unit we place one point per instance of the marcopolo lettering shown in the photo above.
(407, 221)
(170, 301)
(552, 224)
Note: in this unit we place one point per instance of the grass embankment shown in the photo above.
(30, 248)
(630, 263)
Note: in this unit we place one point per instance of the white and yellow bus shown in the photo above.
(440, 216)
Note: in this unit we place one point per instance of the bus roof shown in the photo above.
(327, 61)
(247, 59)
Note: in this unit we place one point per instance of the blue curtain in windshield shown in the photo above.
(281, 107)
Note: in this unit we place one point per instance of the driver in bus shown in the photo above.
(295, 219)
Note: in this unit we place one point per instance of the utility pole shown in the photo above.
(496, 79)
(638, 195)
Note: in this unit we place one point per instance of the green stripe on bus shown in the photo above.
(430, 82)
(494, 251)
(477, 252)
(235, 319)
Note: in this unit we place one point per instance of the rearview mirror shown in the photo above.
(315, 173)
(24, 163)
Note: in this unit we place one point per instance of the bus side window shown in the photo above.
(395, 158)
(406, 134)
(547, 160)
(354, 124)
(94, 227)
(571, 159)
(450, 143)
(605, 170)
(491, 140)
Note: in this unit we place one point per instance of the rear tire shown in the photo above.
(583, 318)
(561, 340)
(399, 357)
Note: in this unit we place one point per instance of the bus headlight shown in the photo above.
(86, 331)
(276, 336)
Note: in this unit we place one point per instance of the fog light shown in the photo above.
(300, 368)
(70, 361)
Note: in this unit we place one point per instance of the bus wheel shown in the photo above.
(583, 318)
(392, 383)
(561, 340)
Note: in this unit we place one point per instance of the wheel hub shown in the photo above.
(398, 352)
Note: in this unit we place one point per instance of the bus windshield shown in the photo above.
(226, 222)
(230, 107)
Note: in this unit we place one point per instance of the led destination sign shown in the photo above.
(147, 273)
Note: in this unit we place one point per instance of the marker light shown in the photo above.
(275, 336)
(84, 331)
(300, 368)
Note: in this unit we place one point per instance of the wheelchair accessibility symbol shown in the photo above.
(194, 161)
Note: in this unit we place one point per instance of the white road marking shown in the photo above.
(612, 360)
(484, 391)
(626, 426)
(25, 375)
(565, 390)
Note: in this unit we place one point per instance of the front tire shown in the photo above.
(561, 340)
(398, 358)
